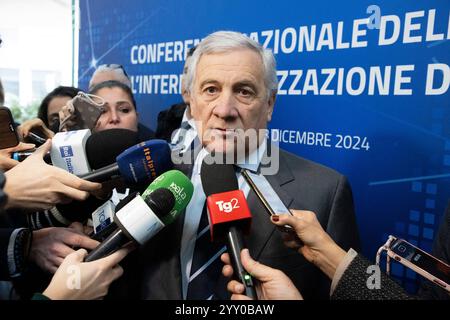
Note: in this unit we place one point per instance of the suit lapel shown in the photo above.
(173, 279)
(262, 228)
(171, 270)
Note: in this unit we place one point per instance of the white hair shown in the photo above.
(227, 41)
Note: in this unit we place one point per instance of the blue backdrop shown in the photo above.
(371, 81)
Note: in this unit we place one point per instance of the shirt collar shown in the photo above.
(250, 163)
(253, 161)
(185, 119)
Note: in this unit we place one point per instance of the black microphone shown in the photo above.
(229, 215)
(103, 147)
(159, 203)
(139, 164)
(144, 216)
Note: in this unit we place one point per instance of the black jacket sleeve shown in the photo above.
(353, 284)
(14, 246)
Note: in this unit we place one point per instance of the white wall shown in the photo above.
(37, 46)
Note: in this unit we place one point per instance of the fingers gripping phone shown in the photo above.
(421, 262)
(84, 111)
(8, 134)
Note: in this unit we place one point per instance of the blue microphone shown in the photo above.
(138, 164)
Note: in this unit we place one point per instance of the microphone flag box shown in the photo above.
(139, 220)
(68, 151)
(103, 216)
(228, 209)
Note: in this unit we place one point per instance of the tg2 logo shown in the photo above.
(228, 206)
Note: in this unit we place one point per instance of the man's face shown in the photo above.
(228, 96)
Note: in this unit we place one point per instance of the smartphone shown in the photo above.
(36, 139)
(86, 109)
(421, 262)
(8, 134)
(268, 197)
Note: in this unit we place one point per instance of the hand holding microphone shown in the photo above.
(7, 160)
(95, 277)
(33, 184)
(144, 216)
(101, 149)
(273, 283)
(229, 215)
(51, 245)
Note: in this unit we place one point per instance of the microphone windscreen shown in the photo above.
(143, 162)
(217, 178)
(103, 147)
(181, 187)
(161, 201)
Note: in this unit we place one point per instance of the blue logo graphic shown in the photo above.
(66, 151)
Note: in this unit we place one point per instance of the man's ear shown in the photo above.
(186, 96)
(193, 107)
(271, 103)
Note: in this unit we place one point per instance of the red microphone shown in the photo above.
(229, 216)
(226, 210)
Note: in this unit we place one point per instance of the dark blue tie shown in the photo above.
(206, 265)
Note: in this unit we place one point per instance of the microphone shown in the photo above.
(102, 148)
(103, 217)
(69, 153)
(120, 139)
(229, 215)
(22, 155)
(144, 216)
(136, 165)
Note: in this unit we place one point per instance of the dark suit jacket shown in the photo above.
(300, 184)
(169, 120)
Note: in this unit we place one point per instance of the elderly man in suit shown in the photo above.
(232, 85)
